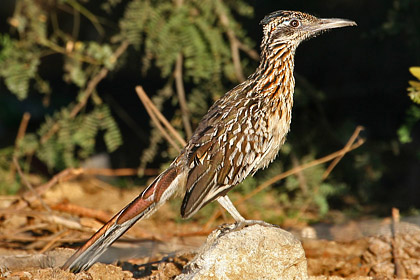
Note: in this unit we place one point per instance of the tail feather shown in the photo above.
(160, 190)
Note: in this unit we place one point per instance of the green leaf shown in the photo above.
(415, 96)
(404, 134)
(414, 84)
(415, 71)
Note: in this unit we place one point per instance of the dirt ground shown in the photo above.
(37, 236)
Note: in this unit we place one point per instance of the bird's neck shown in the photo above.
(275, 72)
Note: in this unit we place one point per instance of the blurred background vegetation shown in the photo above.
(72, 66)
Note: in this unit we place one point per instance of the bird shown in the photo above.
(241, 133)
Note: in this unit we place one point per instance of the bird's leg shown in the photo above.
(241, 222)
(228, 205)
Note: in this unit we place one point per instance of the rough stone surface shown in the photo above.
(254, 252)
(386, 253)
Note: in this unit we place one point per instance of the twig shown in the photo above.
(399, 269)
(181, 95)
(300, 176)
(298, 169)
(28, 185)
(49, 217)
(59, 220)
(71, 173)
(82, 211)
(153, 111)
(55, 237)
(28, 228)
(158, 124)
(22, 128)
(234, 47)
(283, 175)
(93, 83)
(38, 238)
(64, 240)
(250, 52)
(90, 16)
(346, 147)
(21, 133)
(116, 172)
(121, 112)
(58, 49)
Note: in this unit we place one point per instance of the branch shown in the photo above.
(346, 148)
(250, 52)
(28, 185)
(234, 46)
(399, 270)
(181, 95)
(292, 171)
(157, 116)
(70, 173)
(300, 168)
(93, 83)
(21, 133)
(81, 211)
(300, 176)
(90, 16)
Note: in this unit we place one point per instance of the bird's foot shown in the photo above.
(246, 223)
(239, 225)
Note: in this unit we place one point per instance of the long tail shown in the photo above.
(157, 193)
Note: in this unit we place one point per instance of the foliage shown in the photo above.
(413, 113)
(159, 30)
(83, 40)
(75, 140)
(194, 30)
(66, 137)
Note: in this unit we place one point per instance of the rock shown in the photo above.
(380, 258)
(254, 252)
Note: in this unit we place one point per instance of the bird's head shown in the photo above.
(295, 27)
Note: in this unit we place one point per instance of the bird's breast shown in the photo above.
(277, 125)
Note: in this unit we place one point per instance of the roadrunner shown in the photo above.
(241, 133)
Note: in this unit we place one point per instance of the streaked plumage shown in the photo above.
(241, 133)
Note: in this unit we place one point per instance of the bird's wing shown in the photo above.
(219, 156)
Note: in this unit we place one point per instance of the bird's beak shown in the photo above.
(330, 23)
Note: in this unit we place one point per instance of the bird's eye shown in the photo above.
(294, 23)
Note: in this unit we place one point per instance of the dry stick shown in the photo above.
(56, 237)
(300, 176)
(283, 175)
(38, 226)
(117, 172)
(155, 111)
(25, 238)
(349, 143)
(234, 46)
(60, 177)
(250, 52)
(127, 119)
(30, 196)
(21, 133)
(71, 173)
(81, 211)
(38, 238)
(28, 185)
(93, 83)
(296, 170)
(399, 271)
(181, 95)
(346, 147)
(157, 123)
(50, 217)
